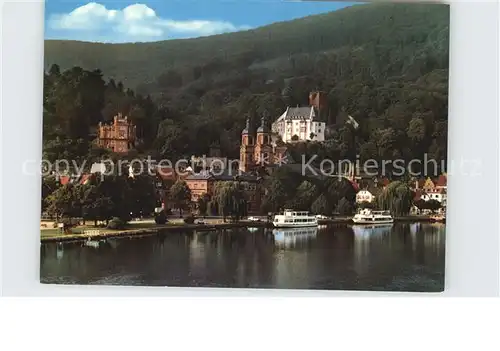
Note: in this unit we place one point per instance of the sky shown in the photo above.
(118, 21)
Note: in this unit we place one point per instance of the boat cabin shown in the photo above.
(292, 213)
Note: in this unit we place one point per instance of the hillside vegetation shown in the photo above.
(384, 64)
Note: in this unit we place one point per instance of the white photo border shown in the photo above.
(472, 238)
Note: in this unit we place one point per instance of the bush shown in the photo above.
(116, 223)
(189, 219)
(161, 218)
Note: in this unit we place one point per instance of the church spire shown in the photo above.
(264, 127)
(247, 126)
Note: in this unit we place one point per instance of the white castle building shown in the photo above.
(299, 124)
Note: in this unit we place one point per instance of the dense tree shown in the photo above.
(307, 193)
(230, 199)
(143, 194)
(344, 207)
(397, 198)
(321, 205)
(96, 206)
(180, 195)
(61, 203)
(49, 185)
(203, 202)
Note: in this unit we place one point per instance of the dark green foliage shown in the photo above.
(76, 100)
(180, 195)
(189, 219)
(432, 205)
(96, 205)
(345, 207)
(421, 204)
(161, 218)
(116, 223)
(397, 198)
(287, 188)
(143, 194)
(231, 200)
(49, 185)
(321, 205)
(63, 202)
(203, 204)
(374, 28)
(365, 204)
(386, 65)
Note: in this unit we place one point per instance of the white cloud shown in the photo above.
(135, 22)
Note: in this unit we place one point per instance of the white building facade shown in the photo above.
(299, 124)
(435, 194)
(364, 196)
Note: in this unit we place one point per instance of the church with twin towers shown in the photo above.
(266, 147)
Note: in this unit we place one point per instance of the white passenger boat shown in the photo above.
(295, 219)
(367, 216)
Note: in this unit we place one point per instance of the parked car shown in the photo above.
(254, 219)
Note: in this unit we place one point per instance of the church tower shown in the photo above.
(247, 148)
(263, 148)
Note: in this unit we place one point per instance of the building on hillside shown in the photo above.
(119, 137)
(428, 184)
(257, 148)
(432, 189)
(319, 100)
(205, 181)
(369, 190)
(368, 195)
(209, 163)
(213, 162)
(303, 123)
(364, 196)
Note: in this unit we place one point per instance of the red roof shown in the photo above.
(385, 181)
(354, 185)
(418, 194)
(441, 181)
(421, 182)
(64, 180)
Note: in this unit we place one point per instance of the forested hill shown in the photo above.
(384, 64)
(377, 32)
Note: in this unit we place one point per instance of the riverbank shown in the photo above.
(140, 229)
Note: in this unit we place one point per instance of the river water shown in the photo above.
(399, 257)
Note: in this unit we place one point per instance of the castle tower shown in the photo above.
(319, 100)
(247, 148)
(263, 148)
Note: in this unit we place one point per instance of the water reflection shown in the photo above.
(291, 237)
(59, 251)
(395, 257)
(366, 236)
(366, 232)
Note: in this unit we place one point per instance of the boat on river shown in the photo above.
(367, 216)
(295, 219)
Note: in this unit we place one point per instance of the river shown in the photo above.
(399, 257)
